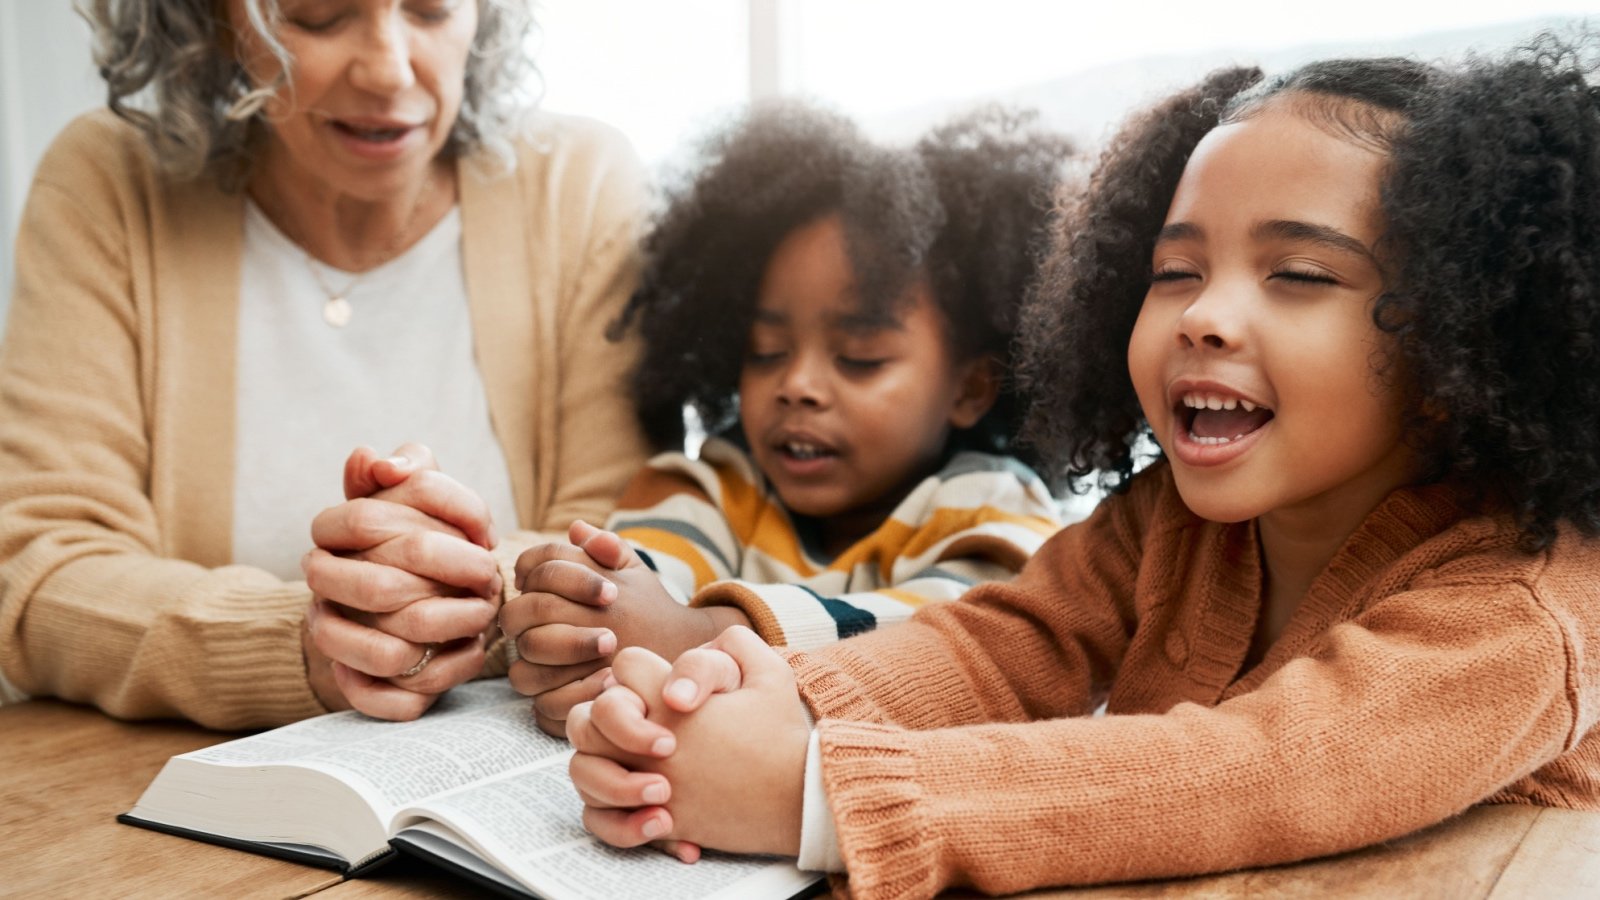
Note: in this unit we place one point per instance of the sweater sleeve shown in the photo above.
(955, 531)
(1430, 701)
(91, 608)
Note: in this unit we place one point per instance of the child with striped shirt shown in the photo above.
(840, 316)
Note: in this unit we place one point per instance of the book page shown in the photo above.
(476, 730)
(530, 825)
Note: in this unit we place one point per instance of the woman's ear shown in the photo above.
(978, 389)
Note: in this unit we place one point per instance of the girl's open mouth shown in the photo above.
(1213, 420)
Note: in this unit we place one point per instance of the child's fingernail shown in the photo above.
(399, 462)
(663, 746)
(608, 681)
(608, 592)
(654, 827)
(682, 690)
(606, 644)
(655, 794)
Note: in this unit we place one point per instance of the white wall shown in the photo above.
(46, 78)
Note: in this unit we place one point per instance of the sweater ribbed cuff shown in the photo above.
(732, 593)
(870, 776)
(829, 692)
(260, 678)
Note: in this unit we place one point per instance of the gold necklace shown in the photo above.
(336, 308)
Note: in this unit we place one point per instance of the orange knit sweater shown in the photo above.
(1431, 667)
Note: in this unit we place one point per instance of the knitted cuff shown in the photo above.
(260, 673)
(829, 692)
(733, 593)
(871, 779)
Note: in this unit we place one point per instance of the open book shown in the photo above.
(473, 785)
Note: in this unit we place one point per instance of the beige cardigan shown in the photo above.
(117, 410)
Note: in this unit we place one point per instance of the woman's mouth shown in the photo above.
(374, 135)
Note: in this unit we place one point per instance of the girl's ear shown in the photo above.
(978, 389)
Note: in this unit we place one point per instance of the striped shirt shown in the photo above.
(717, 535)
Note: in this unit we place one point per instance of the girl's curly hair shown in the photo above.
(1492, 208)
(968, 206)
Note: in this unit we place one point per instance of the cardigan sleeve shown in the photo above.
(91, 609)
(1431, 700)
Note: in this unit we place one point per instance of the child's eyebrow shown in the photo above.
(866, 323)
(1307, 232)
(1179, 231)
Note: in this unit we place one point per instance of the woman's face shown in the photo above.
(373, 91)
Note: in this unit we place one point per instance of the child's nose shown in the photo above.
(1214, 319)
(804, 383)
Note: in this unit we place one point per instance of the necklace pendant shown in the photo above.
(336, 312)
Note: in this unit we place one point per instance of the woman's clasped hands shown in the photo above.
(708, 751)
(404, 588)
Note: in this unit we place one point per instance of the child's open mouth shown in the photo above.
(804, 451)
(1213, 419)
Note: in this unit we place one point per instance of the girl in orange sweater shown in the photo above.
(1357, 592)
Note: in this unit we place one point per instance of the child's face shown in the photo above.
(845, 411)
(1261, 303)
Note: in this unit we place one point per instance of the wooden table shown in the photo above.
(66, 771)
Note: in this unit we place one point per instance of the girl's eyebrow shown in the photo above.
(1307, 232)
(1179, 231)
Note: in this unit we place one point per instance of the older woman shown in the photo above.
(320, 224)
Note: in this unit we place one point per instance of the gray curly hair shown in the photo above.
(200, 111)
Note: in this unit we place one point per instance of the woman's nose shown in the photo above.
(382, 64)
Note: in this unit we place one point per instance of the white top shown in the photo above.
(401, 370)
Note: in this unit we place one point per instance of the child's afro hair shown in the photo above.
(967, 207)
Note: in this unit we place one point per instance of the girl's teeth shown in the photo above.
(1216, 401)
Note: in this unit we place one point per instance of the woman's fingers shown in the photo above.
(379, 654)
(424, 556)
(435, 619)
(366, 522)
(363, 585)
(452, 663)
(442, 497)
(379, 698)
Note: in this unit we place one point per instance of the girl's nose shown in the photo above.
(1213, 320)
(382, 64)
(804, 382)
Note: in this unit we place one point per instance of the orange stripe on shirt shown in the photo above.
(676, 546)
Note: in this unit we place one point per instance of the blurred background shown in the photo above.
(666, 72)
